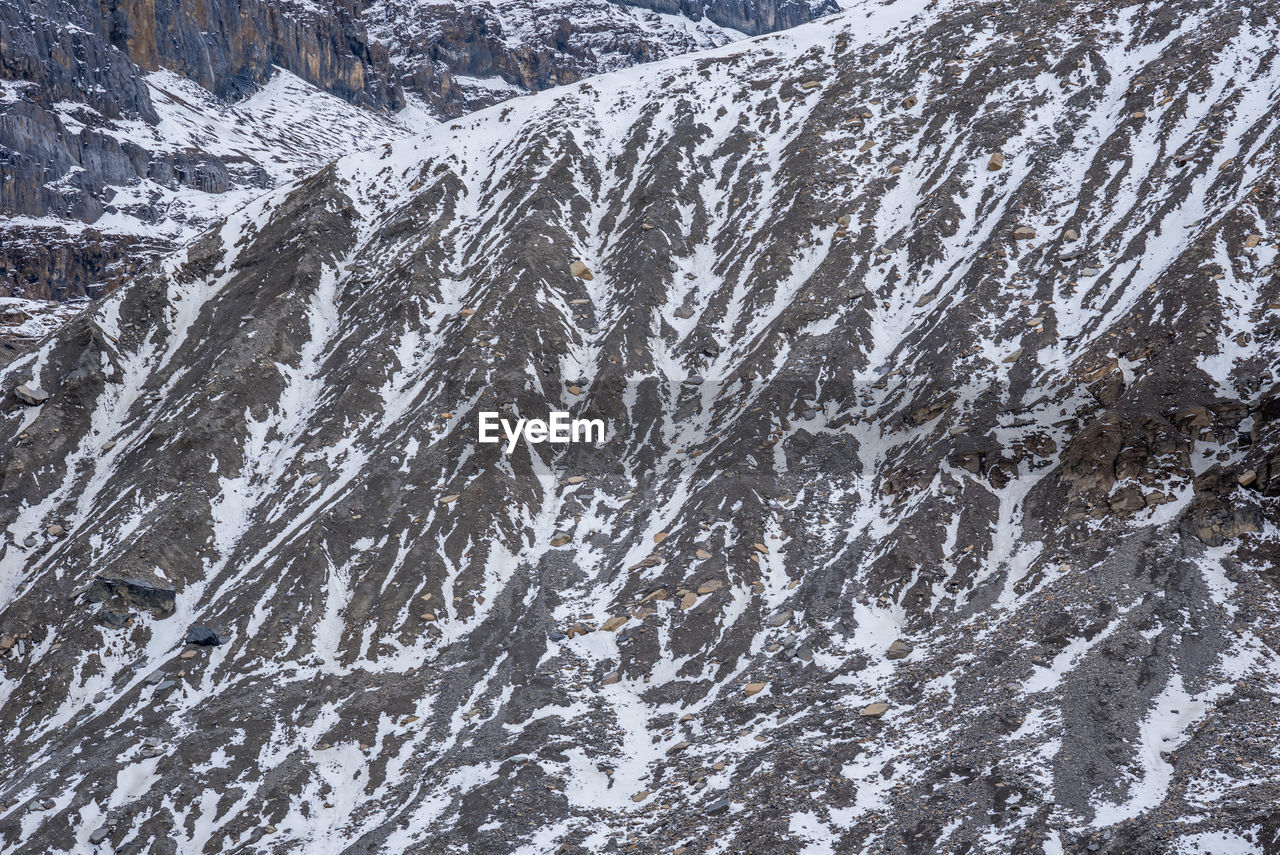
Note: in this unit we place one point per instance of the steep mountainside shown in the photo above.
(146, 121)
(938, 511)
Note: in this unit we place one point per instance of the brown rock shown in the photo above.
(613, 623)
(1024, 233)
(996, 161)
(688, 601)
(875, 710)
(710, 586)
(754, 688)
(610, 678)
(580, 269)
(898, 650)
(1252, 240)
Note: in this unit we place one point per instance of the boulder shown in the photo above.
(898, 650)
(610, 678)
(580, 269)
(613, 623)
(202, 636)
(31, 396)
(753, 688)
(996, 161)
(875, 710)
(1024, 233)
(1252, 240)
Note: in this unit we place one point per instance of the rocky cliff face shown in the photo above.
(462, 56)
(937, 512)
(84, 141)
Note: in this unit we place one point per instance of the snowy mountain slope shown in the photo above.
(864, 384)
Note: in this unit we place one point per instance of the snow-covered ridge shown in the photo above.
(1017, 414)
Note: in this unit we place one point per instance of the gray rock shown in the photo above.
(203, 636)
(31, 396)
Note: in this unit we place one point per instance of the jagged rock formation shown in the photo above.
(864, 382)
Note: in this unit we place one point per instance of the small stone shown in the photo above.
(804, 653)
(753, 688)
(996, 161)
(612, 624)
(703, 554)
(7, 642)
(761, 548)
(898, 650)
(1252, 240)
(781, 618)
(909, 102)
(1024, 233)
(874, 710)
(809, 85)
(640, 796)
(449, 499)
(31, 396)
(575, 479)
(1090, 271)
(466, 313)
(677, 748)
(99, 834)
(1247, 478)
(188, 654)
(843, 221)
(560, 539)
(684, 312)
(580, 269)
(54, 530)
(688, 601)
(611, 678)
(659, 537)
(1013, 357)
(710, 587)
(1070, 235)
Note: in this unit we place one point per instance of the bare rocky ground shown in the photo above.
(938, 512)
